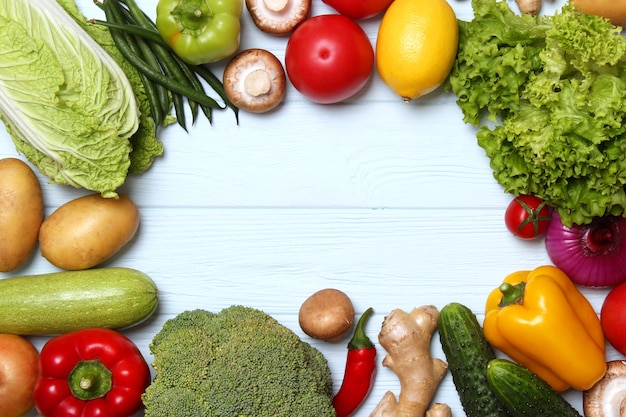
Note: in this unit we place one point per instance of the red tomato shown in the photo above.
(329, 58)
(613, 317)
(527, 217)
(359, 9)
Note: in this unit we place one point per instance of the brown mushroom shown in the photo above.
(254, 80)
(278, 17)
(608, 396)
(326, 315)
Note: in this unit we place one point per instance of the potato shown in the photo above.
(326, 315)
(614, 10)
(88, 230)
(21, 212)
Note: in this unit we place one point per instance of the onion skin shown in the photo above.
(592, 255)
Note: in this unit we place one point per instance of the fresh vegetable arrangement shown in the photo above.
(249, 347)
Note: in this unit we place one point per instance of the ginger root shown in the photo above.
(406, 337)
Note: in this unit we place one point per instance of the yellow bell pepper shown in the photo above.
(541, 320)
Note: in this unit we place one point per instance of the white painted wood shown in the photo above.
(393, 203)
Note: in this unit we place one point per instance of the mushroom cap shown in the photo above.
(608, 396)
(278, 17)
(254, 80)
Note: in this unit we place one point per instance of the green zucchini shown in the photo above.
(468, 353)
(63, 302)
(524, 393)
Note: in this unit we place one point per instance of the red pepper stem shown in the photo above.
(359, 338)
(512, 294)
(90, 380)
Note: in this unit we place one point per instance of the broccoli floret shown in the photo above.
(240, 362)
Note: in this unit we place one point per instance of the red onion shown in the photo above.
(592, 254)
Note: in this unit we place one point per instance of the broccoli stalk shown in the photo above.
(238, 362)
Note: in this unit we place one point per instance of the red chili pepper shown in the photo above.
(360, 370)
(89, 373)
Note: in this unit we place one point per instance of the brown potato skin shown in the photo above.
(614, 10)
(21, 212)
(88, 230)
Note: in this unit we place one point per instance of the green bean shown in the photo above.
(156, 62)
(159, 77)
(178, 68)
(143, 19)
(146, 52)
(133, 29)
(217, 86)
(147, 20)
(150, 88)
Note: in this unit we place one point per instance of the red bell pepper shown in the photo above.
(89, 373)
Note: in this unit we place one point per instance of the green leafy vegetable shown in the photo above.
(145, 144)
(547, 94)
(67, 104)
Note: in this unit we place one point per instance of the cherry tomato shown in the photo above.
(527, 217)
(329, 58)
(613, 317)
(359, 9)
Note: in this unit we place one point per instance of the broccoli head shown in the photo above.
(239, 362)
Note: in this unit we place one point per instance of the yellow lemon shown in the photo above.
(416, 46)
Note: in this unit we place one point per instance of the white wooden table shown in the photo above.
(393, 203)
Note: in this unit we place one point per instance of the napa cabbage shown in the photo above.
(67, 105)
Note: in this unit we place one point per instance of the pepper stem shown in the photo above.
(90, 380)
(512, 294)
(192, 16)
(359, 338)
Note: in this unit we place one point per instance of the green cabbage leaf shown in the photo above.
(67, 105)
(548, 95)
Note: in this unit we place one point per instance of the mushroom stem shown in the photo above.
(276, 5)
(257, 83)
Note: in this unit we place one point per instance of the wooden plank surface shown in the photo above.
(393, 203)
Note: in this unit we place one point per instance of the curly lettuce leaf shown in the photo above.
(498, 51)
(557, 131)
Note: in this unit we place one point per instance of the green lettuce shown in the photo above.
(66, 103)
(548, 95)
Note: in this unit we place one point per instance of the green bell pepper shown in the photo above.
(200, 31)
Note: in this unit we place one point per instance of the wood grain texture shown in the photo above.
(393, 203)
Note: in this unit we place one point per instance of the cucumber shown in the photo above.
(468, 353)
(524, 393)
(63, 302)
